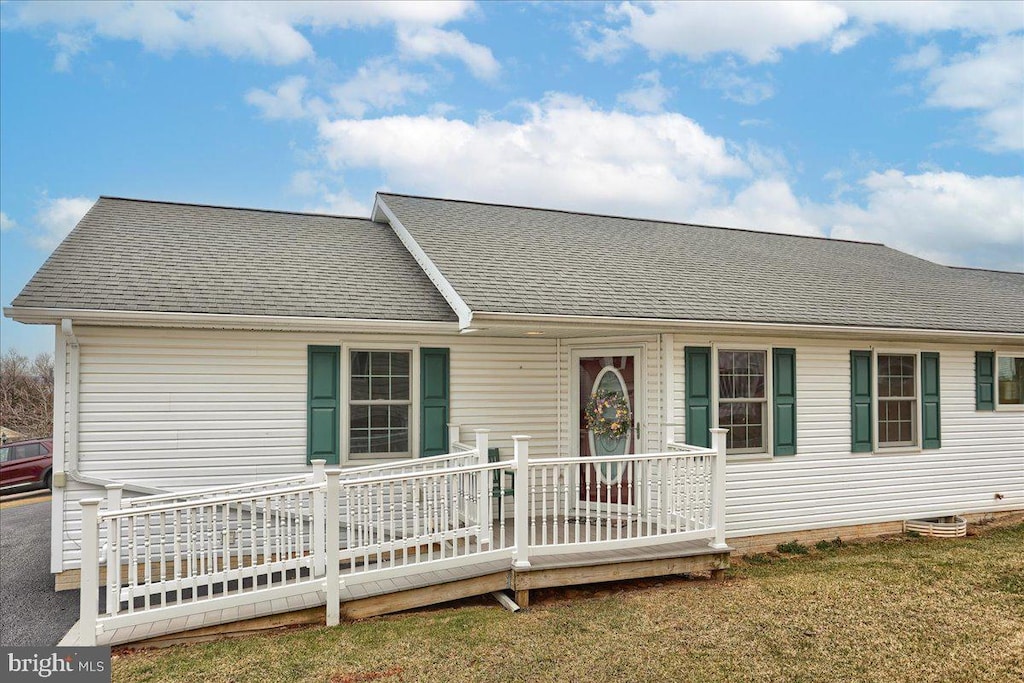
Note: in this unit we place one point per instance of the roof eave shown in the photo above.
(742, 327)
(115, 318)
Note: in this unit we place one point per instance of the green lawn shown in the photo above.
(904, 609)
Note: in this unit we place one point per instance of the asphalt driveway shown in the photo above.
(31, 613)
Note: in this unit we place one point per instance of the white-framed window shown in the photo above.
(1010, 381)
(744, 385)
(897, 391)
(380, 402)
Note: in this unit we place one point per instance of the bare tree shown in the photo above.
(26, 393)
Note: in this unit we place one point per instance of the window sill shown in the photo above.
(748, 457)
(897, 450)
(1012, 408)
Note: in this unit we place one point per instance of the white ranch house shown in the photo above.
(261, 412)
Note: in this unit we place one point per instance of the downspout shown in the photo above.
(72, 394)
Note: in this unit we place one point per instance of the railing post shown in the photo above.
(521, 518)
(718, 488)
(88, 600)
(483, 489)
(333, 571)
(454, 433)
(319, 519)
(114, 497)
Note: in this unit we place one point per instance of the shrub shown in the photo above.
(792, 548)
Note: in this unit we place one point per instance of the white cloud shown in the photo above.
(67, 45)
(564, 153)
(766, 204)
(340, 203)
(925, 58)
(285, 102)
(376, 85)
(945, 216)
(6, 222)
(567, 153)
(761, 31)
(990, 81)
(757, 31)
(262, 31)
(920, 17)
(426, 42)
(737, 87)
(56, 218)
(649, 96)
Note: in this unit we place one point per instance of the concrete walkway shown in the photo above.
(31, 613)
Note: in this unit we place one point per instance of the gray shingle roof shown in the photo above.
(521, 260)
(131, 255)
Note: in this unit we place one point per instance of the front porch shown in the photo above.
(383, 538)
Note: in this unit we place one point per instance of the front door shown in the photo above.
(608, 420)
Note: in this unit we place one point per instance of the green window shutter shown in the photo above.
(434, 400)
(697, 364)
(322, 401)
(984, 380)
(860, 401)
(784, 400)
(931, 422)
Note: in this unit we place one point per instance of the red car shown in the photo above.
(26, 465)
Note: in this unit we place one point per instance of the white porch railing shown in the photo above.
(179, 555)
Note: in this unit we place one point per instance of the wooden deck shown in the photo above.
(375, 593)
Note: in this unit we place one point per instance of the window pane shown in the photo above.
(755, 437)
(359, 441)
(399, 441)
(400, 388)
(360, 388)
(399, 417)
(400, 364)
(5, 454)
(360, 417)
(360, 363)
(1011, 380)
(380, 388)
(379, 441)
(726, 386)
(379, 417)
(380, 363)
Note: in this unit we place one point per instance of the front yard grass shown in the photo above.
(903, 609)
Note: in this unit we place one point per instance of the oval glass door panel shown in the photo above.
(610, 380)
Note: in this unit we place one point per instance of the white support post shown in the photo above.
(483, 489)
(88, 600)
(454, 433)
(521, 518)
(319, 519)
(333, 573)
(718, 489)
(114, 492)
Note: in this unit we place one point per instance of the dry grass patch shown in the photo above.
(899, 610)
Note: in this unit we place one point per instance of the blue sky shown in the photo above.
(893, 122)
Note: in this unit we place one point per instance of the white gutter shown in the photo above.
(797, 329)
(460, 307)
(72, 392)
(54, 316)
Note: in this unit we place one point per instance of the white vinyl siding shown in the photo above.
(179, 409)
(825, 485)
